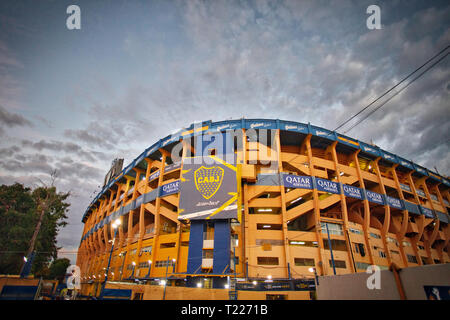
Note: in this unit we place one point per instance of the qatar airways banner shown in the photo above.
(374, 197)
(169, 188)
(353, 192)
(327, 186)
(297, 182)
(394, 203)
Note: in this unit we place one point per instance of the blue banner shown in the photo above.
(405, 187)
(260, 124)
(154, 175)
(321, 132)
(226, 125)
(442, 217)
(421, 170)
(374, 197)
(301, 182)
(294, 126)
(169, 188)
(427, 212)
(420, 193)
(405, 163)
(327, 186)
(170, 139)
(354, 192)
(172, 167)
(369, 149)
(389, 156)
(394, 203)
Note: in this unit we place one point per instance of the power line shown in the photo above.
(398, 92)
(385, 93)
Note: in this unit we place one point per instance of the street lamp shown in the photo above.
(316, 279)
(115, 225)
(134, 266)
(165, 282)
(149, 268)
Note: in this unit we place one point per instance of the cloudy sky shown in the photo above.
(73, 100)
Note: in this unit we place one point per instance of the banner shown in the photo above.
(169, 188)
(327, 186)
(427, 212)
(351, 191)
(297, 182)
(154, 175)
(374, 197)
(209, 189)
(394, 203)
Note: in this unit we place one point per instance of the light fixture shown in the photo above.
(255, 283)
(149, 261)
(163, 282)
(269, 277)
(133, 263)
(199, 284)
(298, 199)
(227, 286)
(311, 269)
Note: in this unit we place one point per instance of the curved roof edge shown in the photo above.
(209, 126)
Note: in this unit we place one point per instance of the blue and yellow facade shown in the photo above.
(308, 198)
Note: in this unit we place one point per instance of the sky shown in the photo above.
(137, 71)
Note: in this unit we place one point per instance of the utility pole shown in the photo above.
(29, 259)
(43, 205)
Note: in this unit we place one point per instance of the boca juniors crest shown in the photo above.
(209, 189)
(208, 180)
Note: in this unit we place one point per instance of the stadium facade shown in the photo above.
(266, 202)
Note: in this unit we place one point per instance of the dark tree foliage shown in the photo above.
(20, 208)
(58, 268)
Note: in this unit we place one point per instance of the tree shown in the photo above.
(22, 210)
(58, 268)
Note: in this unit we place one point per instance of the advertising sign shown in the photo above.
(351, 191)
(327, 186)
(209, 189)
(374, 197)
(169, 188)
(427, 212)
(394, 202)
(297, 182)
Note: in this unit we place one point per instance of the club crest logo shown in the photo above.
(208, 180)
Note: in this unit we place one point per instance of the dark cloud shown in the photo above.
(64, 146)
(10, 119)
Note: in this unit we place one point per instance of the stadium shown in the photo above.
(257, 209)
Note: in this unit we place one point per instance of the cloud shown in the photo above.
(10, 119)
(64, 146)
